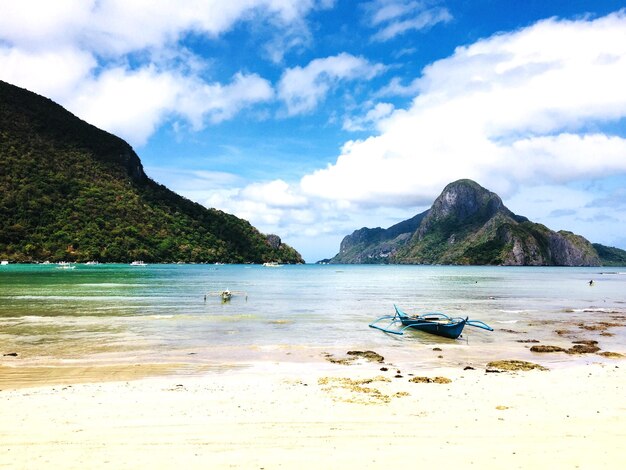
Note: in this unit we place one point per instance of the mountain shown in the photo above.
(70, 191)
(469, 225)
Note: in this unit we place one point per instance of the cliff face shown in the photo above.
(377, 245)
(70, 191)
(467, 224)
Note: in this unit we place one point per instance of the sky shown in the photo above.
(314, 118)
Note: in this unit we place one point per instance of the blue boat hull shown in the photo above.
(433, 322)
(450, 330)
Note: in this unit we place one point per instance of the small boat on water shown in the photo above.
(272, 264)
(4, 262)
(433, 322)
(65, 265)
(226, 294)
(138, 263)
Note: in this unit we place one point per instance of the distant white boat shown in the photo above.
(65, 265)
(272, 264)
(91, 263)
(4, 262)
(138, 263)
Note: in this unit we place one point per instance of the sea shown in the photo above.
(123, 314)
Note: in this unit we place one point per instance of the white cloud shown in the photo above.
(512, 112)
(302, 88)
(396, 17)
(507, 110)
(117, 27)
(370, 119)
(78, 52)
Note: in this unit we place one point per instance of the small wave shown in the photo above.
(507, 321)
(599, 310)
(110, 284)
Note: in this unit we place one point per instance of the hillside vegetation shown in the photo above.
(70, 191)
(467, 224)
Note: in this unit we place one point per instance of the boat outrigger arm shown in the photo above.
(423, 322)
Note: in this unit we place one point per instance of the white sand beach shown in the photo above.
(321, 415)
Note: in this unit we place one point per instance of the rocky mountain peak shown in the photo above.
(468, 224)
(463, 201)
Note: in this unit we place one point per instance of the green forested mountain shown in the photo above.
(70, 191)
(467, 224)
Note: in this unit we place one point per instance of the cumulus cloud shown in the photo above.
(372, 116)
(302, 88)
(396, 17)
(508, 110)
(122, 65)
(522, 113)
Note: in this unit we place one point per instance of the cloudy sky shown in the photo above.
(313, 118)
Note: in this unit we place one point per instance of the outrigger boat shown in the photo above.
(433, 322)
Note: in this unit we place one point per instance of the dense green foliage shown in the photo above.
(69, 191)
(610, 256)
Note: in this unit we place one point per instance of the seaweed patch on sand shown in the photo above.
(514, 365)
(356, 391)
(371, 356)
(430, 380)
(613, 355)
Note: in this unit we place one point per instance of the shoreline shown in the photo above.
(17, 372)
(275, 414)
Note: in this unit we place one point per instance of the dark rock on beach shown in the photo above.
(547, 349)
(583, 349)
(513, 365)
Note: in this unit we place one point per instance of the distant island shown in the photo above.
(469, 225)
(72, 192)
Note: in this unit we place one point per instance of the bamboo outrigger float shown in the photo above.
(433, 322)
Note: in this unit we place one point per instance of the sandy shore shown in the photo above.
(322, 415)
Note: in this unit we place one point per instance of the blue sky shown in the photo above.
(312, 118)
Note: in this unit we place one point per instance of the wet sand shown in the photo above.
(320, 414)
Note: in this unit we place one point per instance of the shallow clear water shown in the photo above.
(158, 313)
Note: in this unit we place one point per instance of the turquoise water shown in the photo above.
(158, 313)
